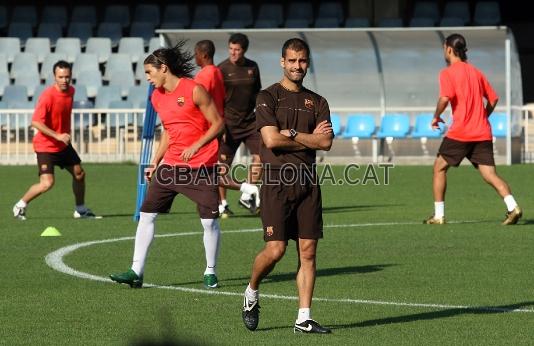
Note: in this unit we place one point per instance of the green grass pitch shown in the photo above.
(384, 278)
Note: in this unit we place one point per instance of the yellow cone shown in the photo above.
(51, 232)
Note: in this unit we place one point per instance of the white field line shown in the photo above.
(55, 261)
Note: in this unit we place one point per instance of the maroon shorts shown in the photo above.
(65, 158)
(199, 185)
(290, 211)
(479, 153)
(232, 141)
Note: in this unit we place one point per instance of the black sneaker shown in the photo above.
(250, 204)
(251, 314)
(310, 326)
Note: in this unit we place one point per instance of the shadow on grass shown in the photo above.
(432, 315)
(351, 208)
(280, 277)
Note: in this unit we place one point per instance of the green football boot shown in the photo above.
(210, 281)
(129, 277)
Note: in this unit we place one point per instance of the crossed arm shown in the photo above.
(320, 139)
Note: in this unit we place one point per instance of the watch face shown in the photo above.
(292, 132)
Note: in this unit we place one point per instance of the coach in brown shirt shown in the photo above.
(294, 122)
(242, 84)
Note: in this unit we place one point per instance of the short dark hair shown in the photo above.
(458, 44)
(297, 45)
(240, 39)
(61, 64)
(177, 59)
(207, 47)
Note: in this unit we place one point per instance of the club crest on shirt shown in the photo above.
(270, 231)
(250, 72)
(44, 166)
(180, 101)
(308, 103)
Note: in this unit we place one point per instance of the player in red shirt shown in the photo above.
(184, 161)
(211, 78)
(52, 117)
(469, 136)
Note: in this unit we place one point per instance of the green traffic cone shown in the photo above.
(51, 232)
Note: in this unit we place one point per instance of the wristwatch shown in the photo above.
(292, 133)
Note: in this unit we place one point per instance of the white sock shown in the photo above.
(510, 202)
(143, 239)
(304, 315)
(21, 204)
(81, 208)
(248, 189)
(224, 203)
(252, 295)
(212, 236)
(439, 209)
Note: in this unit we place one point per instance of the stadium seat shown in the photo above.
(145, 30)
(100, 46)
(30, 80)
(91, 80)
(22, 31)
(359, 126)
(421, 22)
(4, 82)
(70, 46)
(233, 24)
(240, 12)
(390, 23)
(137, 95)
(80, 30)
(15, 93)
(118, 62)
(24, 14)
(3, 18)
(37, 92)
(335, 119)
(3, 62)
(111, 30)
(451, 21)
(271, 12)
(134, 47)
(487, 13)
(394, 125)
(81, 93)
(117, 14)
(3, 105)
(206, 15)
(53, 31)
(55, 14)
(121, 119)
(122, 79)
(265, 24)
(424, 130)
(40, 46)
(173, 25)
(357, 22)
(24, 63)
(300, 10)
(85, 62)
(86, 118)
(427, 9)
(296, 23)
(148, 13)
(106, 94)
(498, 125)
(10, 46)
(332, 10)
(154, 44)
(48, 63)
(84, 14)
(177, 13)
(326, 23)
(457, 9)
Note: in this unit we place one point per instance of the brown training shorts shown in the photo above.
(290, 211)
(65, 158)
(199, 185)
(478, 153)
(231, 143)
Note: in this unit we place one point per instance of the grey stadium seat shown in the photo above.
(106, 94)
(91, 80)
(10, 46)
(71, 46)
(101, 46)
(40, 46)
(122, 79)
(30, 80)
(118, 62)
(48, 64)
(24, 63)
(138, 94)
(85, 62)
(133, 47)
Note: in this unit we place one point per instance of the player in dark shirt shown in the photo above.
(294, 122)
(242, 84)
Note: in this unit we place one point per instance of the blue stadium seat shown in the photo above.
(40, 46)
(148, 13)
(335, 119)
(122, 79)
(85, 62)
(24, 14)
(24, 63)
(457, 9)
(53, 31)
(22, 31)
(498, 125)
(38, 91)
(111, 30)
(85, 117)
(55, 14)
(390, 23)
(452, 21)
(118, 62)
(241, 12)
(394, 125)
(137, 94)
(177, 13)
(15, 93)
(80, 30)
(84, 14)
(145, 30)
(134, 47)
(100, 46)
(106, 94)
(10, 46)
(427, 9)
(4, 82)
(296, 23)
(81, 93)
(233, 24)
(360, 126)
(173, 25)
(421, 22)
(30, 80)
(332, 10)
(203, 24)
(271, 12)
(206, 15)
(117, 14)
(3, 18)
(300, 11)
(265, 24)
(91, 80)
(121, 119)
(487, 13)
(423, 129)
(326, 23)
(70, 46)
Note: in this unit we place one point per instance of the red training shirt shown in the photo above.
(466, 87)
(211, 78)
(53, 109)
(185, 124)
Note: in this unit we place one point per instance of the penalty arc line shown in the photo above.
(55, 261)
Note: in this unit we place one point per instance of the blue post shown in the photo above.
(146, 152)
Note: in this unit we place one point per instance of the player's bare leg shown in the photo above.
(78, 188)
(46, 181)
(439, 187)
